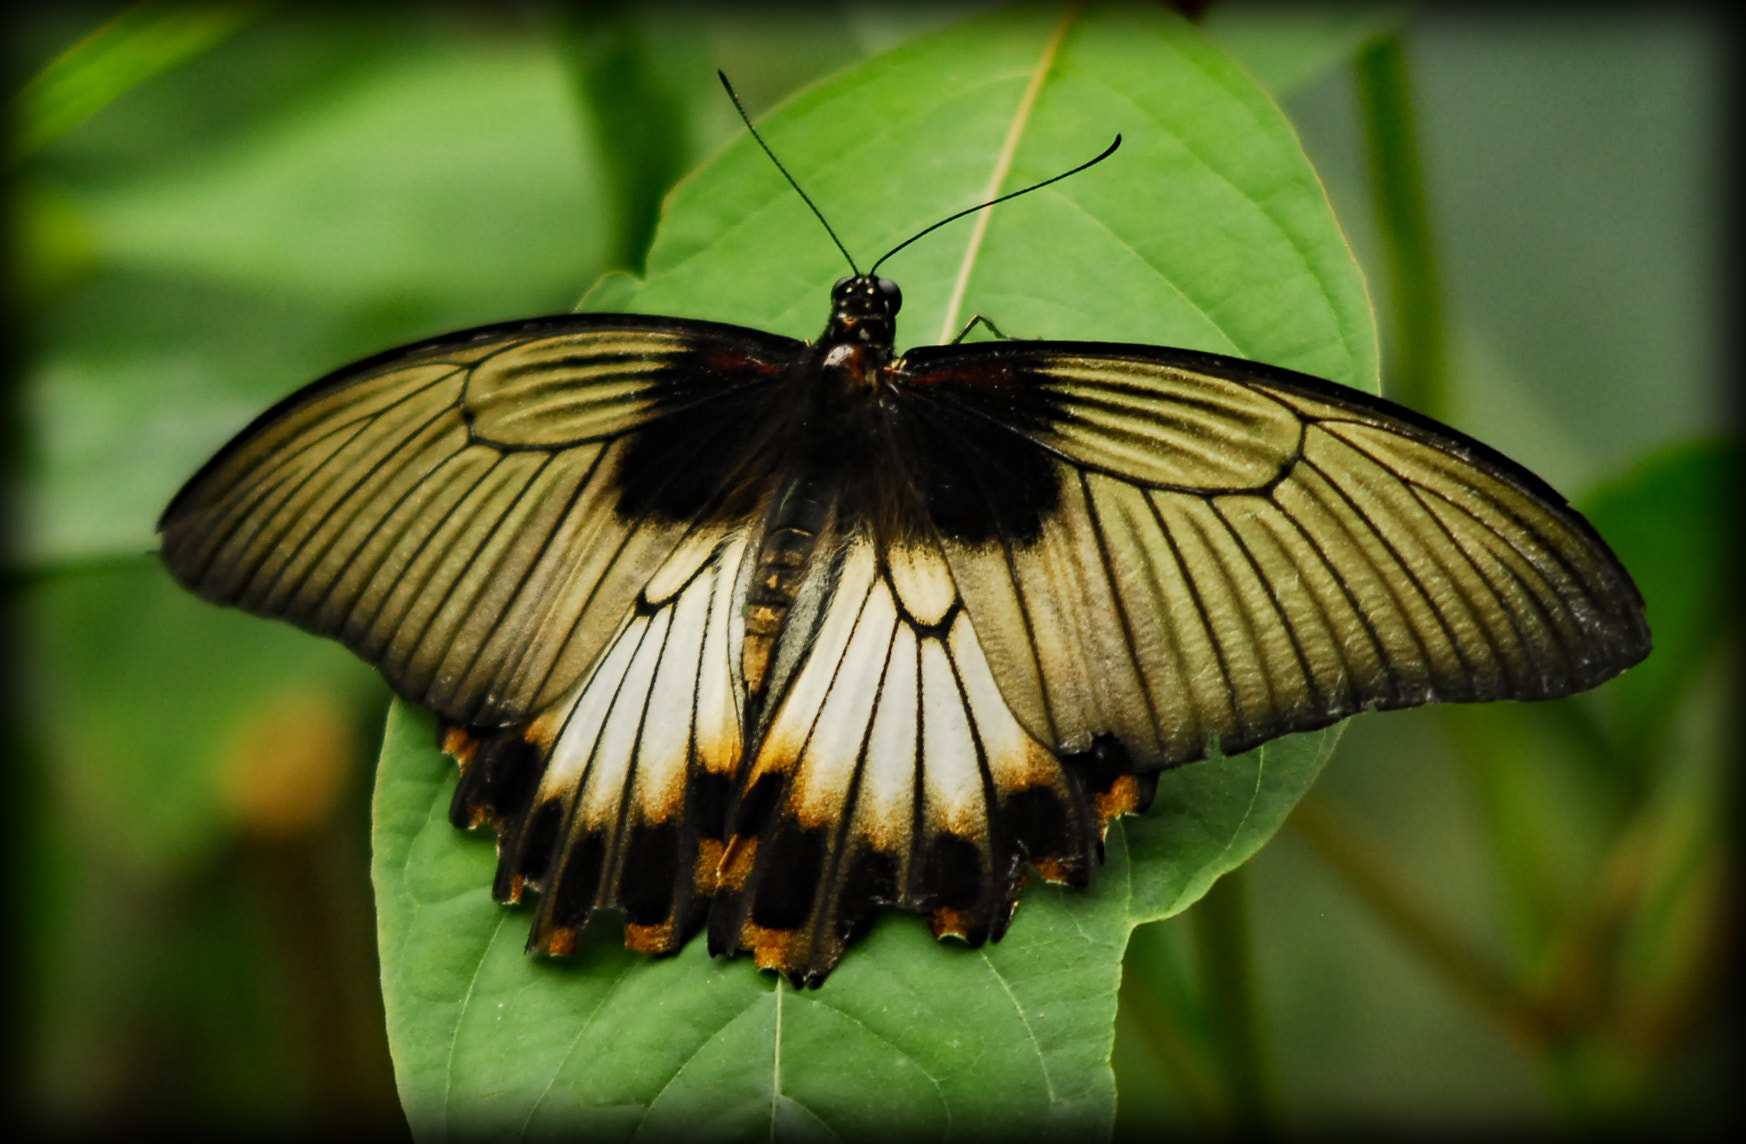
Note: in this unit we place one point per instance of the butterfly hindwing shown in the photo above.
(640, 762)
(892, 772)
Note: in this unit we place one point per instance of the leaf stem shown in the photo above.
(1224, 950)
(1397, 182)
(1368, 874)
(1161, 1028)
(1021, 119)
(28, 575)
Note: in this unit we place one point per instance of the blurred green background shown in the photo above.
(1511, 916)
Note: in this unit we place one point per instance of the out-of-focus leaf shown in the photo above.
(52, 249)
(456, 171)
(638, 91)
(141, 695)
(140, 380)
(145, 40)
(1672, 521)
(1285, 46)
(452, 190)
(1013, 1038)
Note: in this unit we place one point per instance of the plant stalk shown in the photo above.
(1419, 370)
(1224, 949)
(1367, 873)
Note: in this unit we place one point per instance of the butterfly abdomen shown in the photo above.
(801, 513)
(781, 565)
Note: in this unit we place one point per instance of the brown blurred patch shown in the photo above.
(285, 766)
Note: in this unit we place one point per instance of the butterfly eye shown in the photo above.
(842, 284)
(889, 289)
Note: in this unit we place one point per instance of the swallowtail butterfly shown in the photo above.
(733, 631)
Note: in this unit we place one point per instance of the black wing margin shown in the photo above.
(1234, 551)
(474, 515)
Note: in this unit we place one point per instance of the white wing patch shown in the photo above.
(893, 773)
(650, 733)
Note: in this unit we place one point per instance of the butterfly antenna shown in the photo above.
(741, 108)
(1107, 152)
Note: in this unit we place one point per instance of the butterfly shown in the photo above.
(736, 632)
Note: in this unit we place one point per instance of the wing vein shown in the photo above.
(1096, 520)
(1239, 716)
(1309, 678)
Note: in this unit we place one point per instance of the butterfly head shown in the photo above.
(864, 310)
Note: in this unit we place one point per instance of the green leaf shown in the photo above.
(641, 110)
(1670, 520)
(907, 1036)
(1208, 229)
(145, 40)
(458, 170)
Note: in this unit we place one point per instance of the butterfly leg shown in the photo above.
(979, 320)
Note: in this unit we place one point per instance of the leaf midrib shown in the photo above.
(1002, 166)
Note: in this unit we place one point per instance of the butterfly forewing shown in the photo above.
(457, 512)
(1235, 551)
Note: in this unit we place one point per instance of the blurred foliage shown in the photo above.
(118, 55)
(1512, 915)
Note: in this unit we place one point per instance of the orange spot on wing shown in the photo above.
(706, 872)
(661, 938)
(1051, 869)
(561, 942)
(736, 862)
(459, 745)
(1123, 797)
(949, 923)
(786, 951)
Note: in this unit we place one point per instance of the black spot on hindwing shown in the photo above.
(499, 782)
(870, 883)
(953, 873)
(537, 839)
(649, 878)
(578, 881)
(788, 877)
